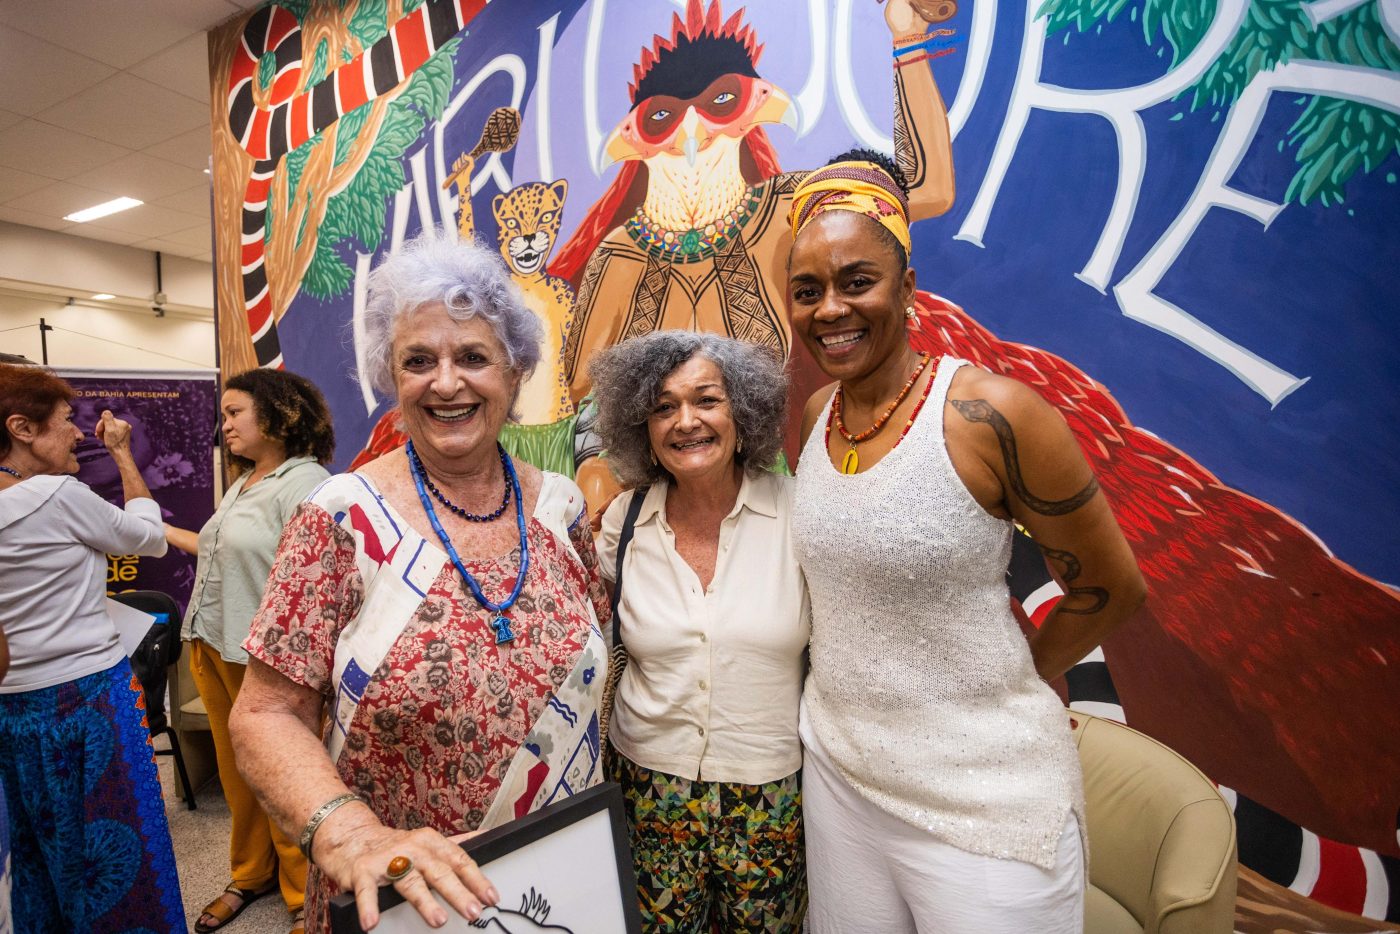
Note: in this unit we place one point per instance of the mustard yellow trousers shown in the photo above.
(257, 848)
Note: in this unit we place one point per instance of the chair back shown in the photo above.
(159, 649)
(1161, 837)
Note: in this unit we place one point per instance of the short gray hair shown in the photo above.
(464, 276)
(627, 382)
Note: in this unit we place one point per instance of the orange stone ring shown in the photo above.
(399, 867)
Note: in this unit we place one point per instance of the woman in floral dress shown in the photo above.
(440, 606)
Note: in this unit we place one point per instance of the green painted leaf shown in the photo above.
(319, 62)
(327, 275)
(347, 129)
(370, 22)
(267, 67)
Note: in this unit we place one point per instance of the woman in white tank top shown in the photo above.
(942, 787)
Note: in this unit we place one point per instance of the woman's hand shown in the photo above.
(357, 852)
(114, 433)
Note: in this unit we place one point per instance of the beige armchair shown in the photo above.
(1161, 838)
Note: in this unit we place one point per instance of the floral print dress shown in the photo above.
(433, 724)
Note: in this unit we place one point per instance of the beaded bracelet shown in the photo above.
(921, 36)
(925, 57)
(318, 817)
(933, 41)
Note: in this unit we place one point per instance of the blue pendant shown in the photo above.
(502, 627)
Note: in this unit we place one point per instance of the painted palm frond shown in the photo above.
(359, 158)
(357, 212)
(1333, 138)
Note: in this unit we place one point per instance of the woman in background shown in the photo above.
(91, 844)
(277, 431)
(714, 618)
(943, 790)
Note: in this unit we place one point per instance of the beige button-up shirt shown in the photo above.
(714, 680)
(236, 547)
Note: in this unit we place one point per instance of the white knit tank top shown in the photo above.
(922, 690)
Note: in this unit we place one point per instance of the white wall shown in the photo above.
(41, 270)
(104, 337)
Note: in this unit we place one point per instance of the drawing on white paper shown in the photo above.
(532, 916)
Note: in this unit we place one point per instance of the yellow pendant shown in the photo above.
(851, 462)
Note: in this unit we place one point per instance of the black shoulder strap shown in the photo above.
(624, 539)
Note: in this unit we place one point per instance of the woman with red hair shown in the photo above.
(91, 846)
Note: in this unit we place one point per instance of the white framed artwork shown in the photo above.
(565, 869)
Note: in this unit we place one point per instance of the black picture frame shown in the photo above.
(522, 832)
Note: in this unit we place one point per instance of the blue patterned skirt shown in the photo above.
(90, 846)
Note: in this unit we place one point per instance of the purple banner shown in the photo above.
(173, 416)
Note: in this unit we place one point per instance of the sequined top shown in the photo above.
(922, 689)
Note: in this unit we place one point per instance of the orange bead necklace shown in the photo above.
(851, 462)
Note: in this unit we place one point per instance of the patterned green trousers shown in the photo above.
(715, 856)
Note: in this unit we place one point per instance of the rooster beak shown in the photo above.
(617, 147)
(778, 108)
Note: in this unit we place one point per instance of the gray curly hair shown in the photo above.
(464, 276)
(627, 382)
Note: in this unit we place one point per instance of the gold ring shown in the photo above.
(399, 867)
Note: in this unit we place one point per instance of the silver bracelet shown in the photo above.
(308, 833)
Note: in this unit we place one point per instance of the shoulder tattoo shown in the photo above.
(980, 410)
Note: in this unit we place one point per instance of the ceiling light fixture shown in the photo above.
(102, 210)
(103, 296)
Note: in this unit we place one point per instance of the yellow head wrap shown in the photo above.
(862, 187)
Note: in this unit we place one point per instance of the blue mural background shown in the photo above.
(1314, 293)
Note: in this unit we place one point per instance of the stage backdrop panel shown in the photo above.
(172, 415)
(1175, 220)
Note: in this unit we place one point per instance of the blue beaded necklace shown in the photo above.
(12, 472)
(499, 623)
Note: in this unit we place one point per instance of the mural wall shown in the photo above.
(1174, 218)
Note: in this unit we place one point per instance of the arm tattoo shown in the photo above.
(980, 410)
(1070, 569)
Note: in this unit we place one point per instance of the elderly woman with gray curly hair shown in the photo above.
(714, 618)
(440, 606)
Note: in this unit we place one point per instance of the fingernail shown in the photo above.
(492, 896)
(473, 912)
(439, 919)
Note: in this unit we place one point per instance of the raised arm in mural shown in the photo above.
(690, 234)
(499, 134)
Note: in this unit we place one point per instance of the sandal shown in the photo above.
(222, 914)
(298, 920)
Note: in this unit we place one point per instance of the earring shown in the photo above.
(739, 447)
(653, 458)
(910, 313)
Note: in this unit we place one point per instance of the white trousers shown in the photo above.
(869, 871)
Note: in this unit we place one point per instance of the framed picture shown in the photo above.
(565, 869)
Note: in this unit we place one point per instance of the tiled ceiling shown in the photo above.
(105, 98)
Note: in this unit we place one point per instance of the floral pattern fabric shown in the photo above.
(437, 724)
